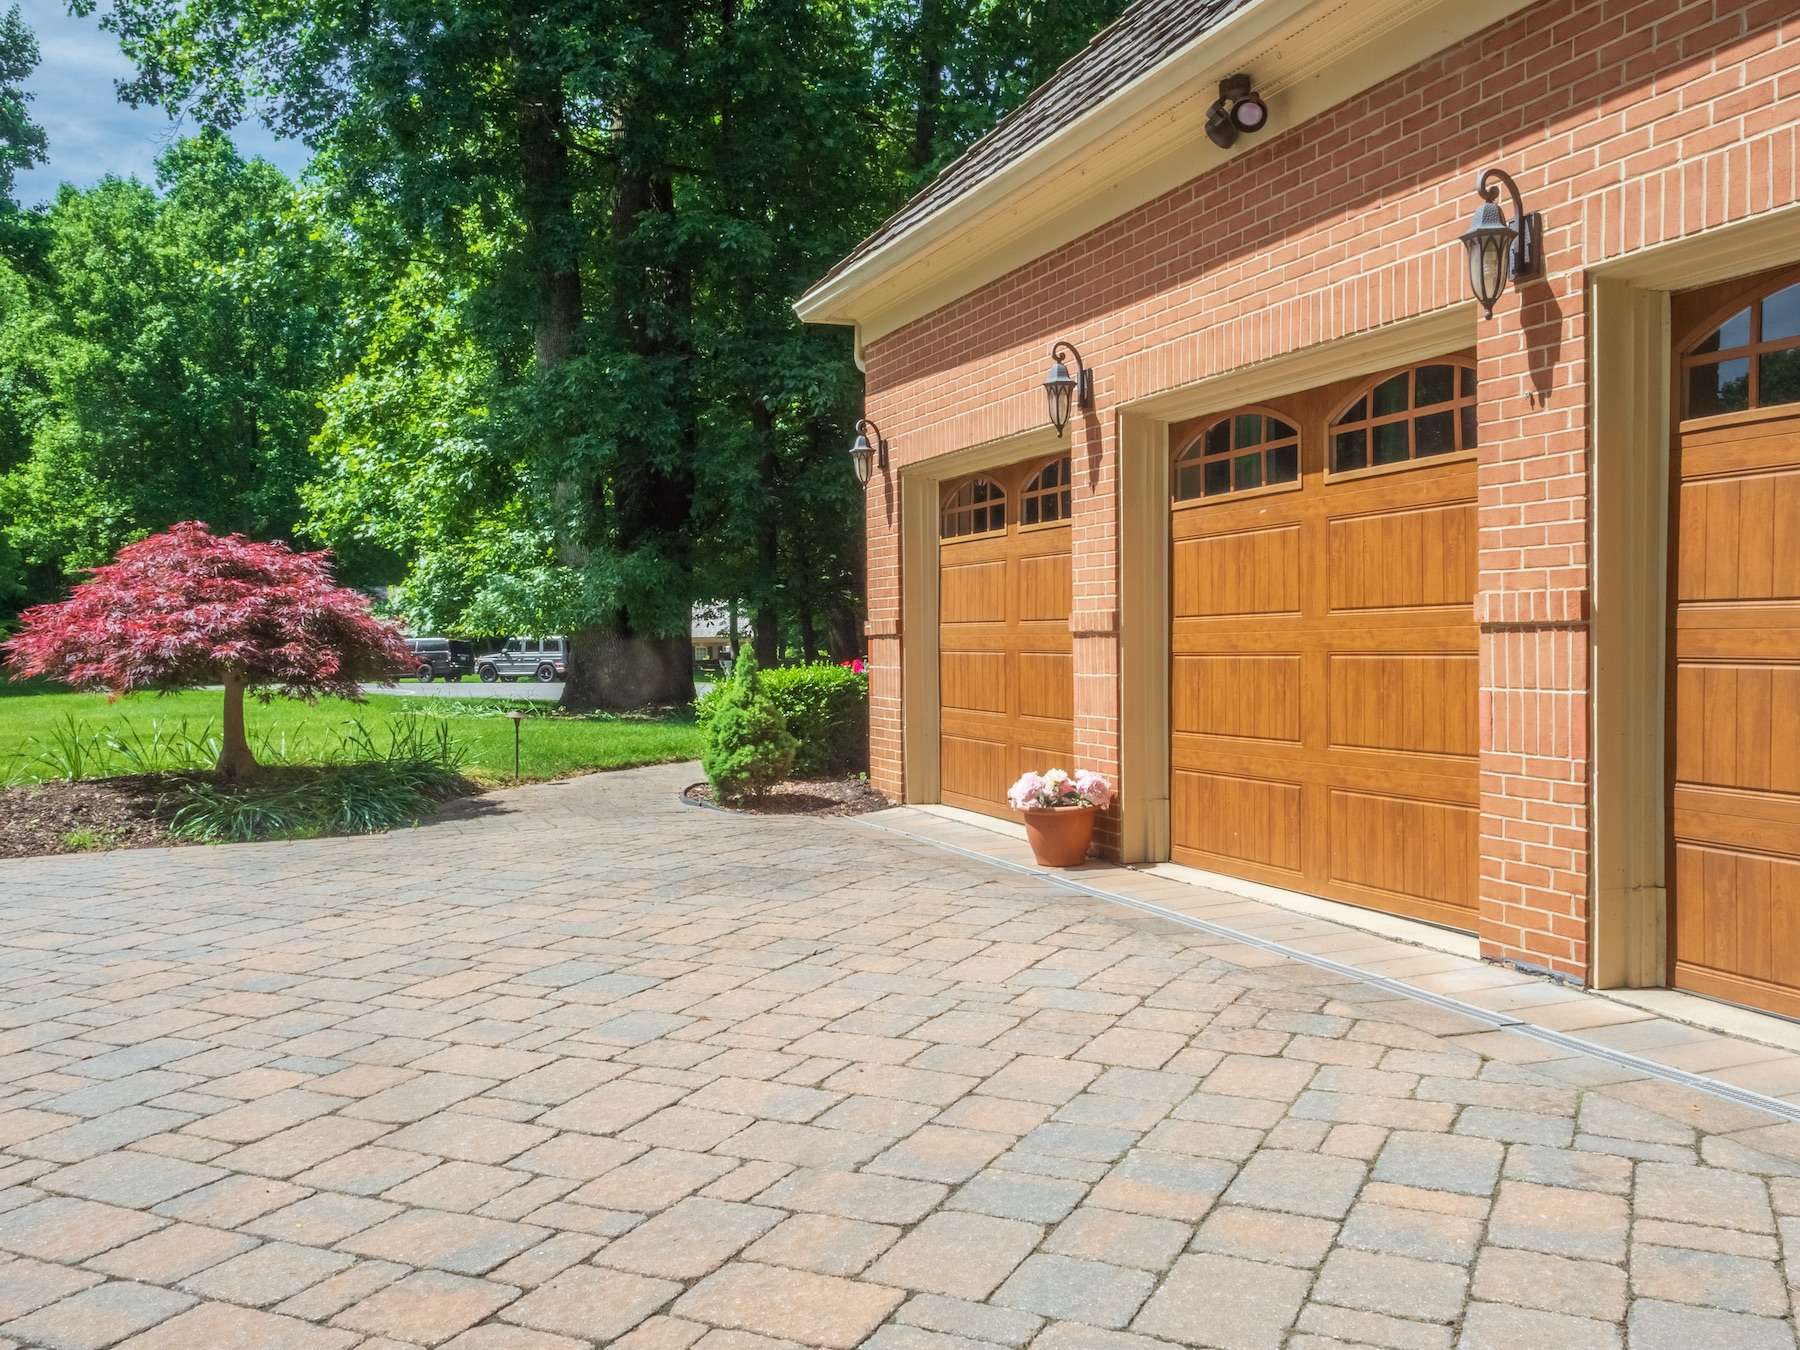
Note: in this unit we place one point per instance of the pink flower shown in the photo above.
(1054, 788)
(1024, 794)
(1093, 788)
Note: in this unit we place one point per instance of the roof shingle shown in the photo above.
(1142, 37)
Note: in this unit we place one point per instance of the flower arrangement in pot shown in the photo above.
(1059, 813)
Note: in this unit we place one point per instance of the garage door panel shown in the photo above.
(1424, 850)
(973, 592)
(1254, 571)
(974, 771)
(1042, 583)
(1046, 684)
(1740, 726)
(1252, 820)
(973, 681)
(1251, 696)
(1415, 702)
(1422, 557)
(1740, 914)
(1738, 538)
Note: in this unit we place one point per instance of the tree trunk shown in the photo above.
(617, 672)
(844, 633)
(616, 664)
(768, 541)
(236, 762)
(803, 600)
(551, 230)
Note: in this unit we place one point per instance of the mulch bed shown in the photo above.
(127, 812)
(803, 797)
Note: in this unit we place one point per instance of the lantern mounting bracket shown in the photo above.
(1527, 249)
(1084, 391)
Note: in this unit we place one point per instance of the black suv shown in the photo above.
(437, 656)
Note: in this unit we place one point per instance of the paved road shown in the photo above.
(590, 1067)
(522, 689)
(472, 688)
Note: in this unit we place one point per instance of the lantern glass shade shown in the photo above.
(1487, 270)
(1489, 241)
(1059, 390)
(862, 456)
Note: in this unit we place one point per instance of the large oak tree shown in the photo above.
(614, 204)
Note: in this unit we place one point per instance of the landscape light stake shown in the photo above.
(518, 720)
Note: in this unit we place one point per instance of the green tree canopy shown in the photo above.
(168, 363)
(22, 141)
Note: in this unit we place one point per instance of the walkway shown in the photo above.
(592, 1067)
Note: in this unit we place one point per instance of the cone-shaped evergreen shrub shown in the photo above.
(748, 748)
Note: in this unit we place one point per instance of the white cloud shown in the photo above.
(91, 132)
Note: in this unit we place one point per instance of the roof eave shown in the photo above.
(825, 301)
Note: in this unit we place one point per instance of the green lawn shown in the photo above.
(41, 731)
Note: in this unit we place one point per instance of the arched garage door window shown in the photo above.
(977, 506)
(1244, 450)
(1750, 360)
(1419, 413)
(1044, 500)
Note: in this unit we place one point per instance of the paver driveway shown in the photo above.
(599, 1068)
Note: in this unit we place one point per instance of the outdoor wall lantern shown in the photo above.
(1065, 390)
(1498, 248)
(1239, 109)
(863, 455)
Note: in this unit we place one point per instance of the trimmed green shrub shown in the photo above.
(827, 712)
(748, 748)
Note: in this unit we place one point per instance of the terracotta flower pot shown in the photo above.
(1060, 835)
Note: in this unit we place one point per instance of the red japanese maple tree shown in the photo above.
(188, 607)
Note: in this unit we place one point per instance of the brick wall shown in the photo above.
(1626, 122)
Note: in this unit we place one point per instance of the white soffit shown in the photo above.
(1306, 56)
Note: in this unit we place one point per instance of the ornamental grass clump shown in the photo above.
(748, 747)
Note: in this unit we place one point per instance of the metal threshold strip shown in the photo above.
(1498, 1020)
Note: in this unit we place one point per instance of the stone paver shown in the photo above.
(1227, 1302)
(652, 1077)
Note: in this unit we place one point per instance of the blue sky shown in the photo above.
(91, 133)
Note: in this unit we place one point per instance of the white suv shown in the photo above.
(542, 658)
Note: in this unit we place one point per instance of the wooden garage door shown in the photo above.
(1005, 669)
(1323, 643)
(1734, 707)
